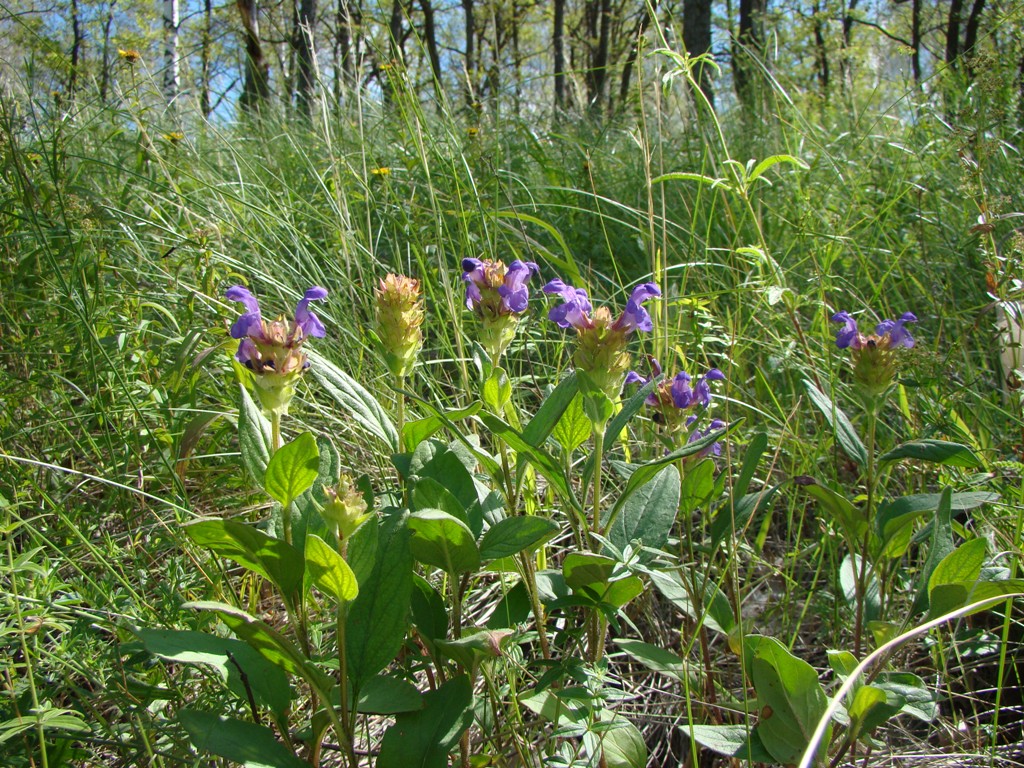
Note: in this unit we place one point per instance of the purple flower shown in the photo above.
(505, 287)
(306, 320)
(898, 335)
(677, 399)
(575, 310)
(249, 323)
(513, 292)
(848, 334)
(263, 344)
(636, 317)
(685, 396)
(715, 448)
(889, 333)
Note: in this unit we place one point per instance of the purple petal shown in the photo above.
(514, 293)
(847, 335)
(635, 316)
(472, 293)
(898, 335)
(250, 322)
(635, 378)
(714, 375)
(575, 312)
(682, 393)
(306, 320)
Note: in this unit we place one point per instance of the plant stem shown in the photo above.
(869, 512)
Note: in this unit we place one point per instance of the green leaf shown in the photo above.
(717, 614)
(751, 458)
(292, 469)
(253, 437)
(274, 646)
(538, 457)
(513, 608)
(273, 559)
(942, 545)
(899, 510)
(379, 616)
(642, 474)
(937, 452)
(428, 493)
(496, 390)
(329, 571)
(792, 699)
(963, 564)
(852, 522)
(552, 411)
(573, 428)
(688, 176)
(248, 744)
(516, 534)
(424, 738)
(367, 413)
(618, 422)
(444, 467)
(597, 580)
(388, 695)
(918, 699)
(444, 541)
(649, 513)
(428, 610)
(845, 434)
(738, 741)
(849, 571)
(871, 707)
(774, 160)
(47, 718)
(418, 430)
(697, 487)
(623, 745)
(656, 658)
(241, 666)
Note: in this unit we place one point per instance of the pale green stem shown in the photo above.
(865, 549)
(600, 623)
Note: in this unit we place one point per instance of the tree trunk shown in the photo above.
(634, 51)
(971, 34)
(343, 66)
(77, 40)
(748, 47)
(470, 25)
(956, 9)
(306, 50)
(430, 40)
(396, 32)
(598, 14)
(845, 65)
(915, 39)
(558, 43)
(105, 74)
(256, 86)
(821, 52)
(205, 57)
(697, 41)
(171, 63)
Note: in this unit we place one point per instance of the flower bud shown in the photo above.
(345, 509)
(399, 317)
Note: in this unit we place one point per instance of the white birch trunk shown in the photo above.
(171, 61)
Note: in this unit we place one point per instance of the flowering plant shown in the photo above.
(273, 350)
(498, 296)
(874, 355)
